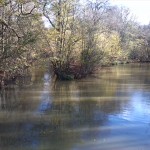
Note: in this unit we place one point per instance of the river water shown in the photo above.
(109, 110)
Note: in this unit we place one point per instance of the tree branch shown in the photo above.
(45, 15)
(27, 13)
(7, 26)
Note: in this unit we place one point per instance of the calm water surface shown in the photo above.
(107, 111)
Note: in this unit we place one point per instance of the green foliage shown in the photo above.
(78, 40)
(18, 36)
(99, 35)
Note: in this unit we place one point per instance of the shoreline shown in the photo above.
(4, 81)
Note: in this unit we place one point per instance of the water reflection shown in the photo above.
(109, 111)
(46, 101)
(5, 101)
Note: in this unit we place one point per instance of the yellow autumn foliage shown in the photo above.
(111, 46)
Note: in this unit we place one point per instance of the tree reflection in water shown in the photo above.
(46, 101)
(87, 114)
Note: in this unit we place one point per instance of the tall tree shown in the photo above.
(92, 26)
(61, 15)
(17, 33)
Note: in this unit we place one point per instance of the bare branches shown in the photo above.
(9, 27)
(27, 13)
(46, 15)
(3, 22)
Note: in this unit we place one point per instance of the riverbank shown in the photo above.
(75, 73)
(10, 78)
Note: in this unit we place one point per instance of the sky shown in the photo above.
(139, 8)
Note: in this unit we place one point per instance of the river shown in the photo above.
(109, 110)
